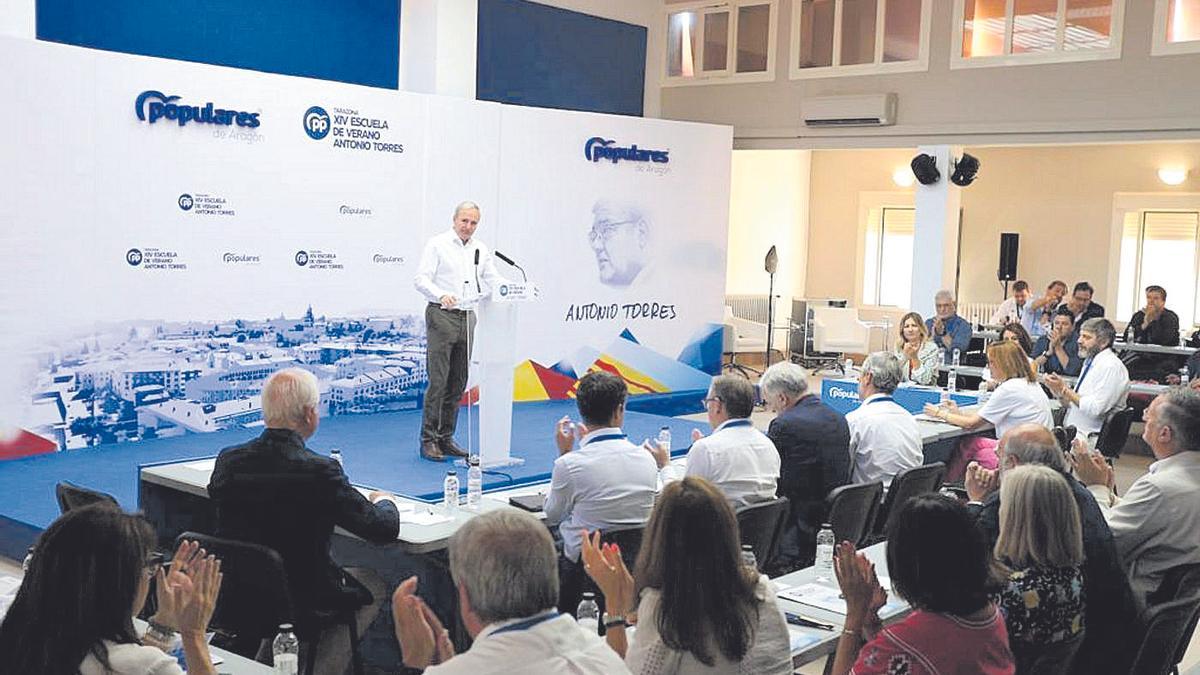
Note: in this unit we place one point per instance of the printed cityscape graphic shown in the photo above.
(142, 380)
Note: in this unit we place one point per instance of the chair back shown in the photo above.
(254, 597)
(1052, 659)
(573, 580)
(1114, 433)
(761, 525)
(1166, 631)
(837, 329)
(906, 485)
(852, 510)
(72, 496)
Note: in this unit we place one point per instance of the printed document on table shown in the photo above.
(829, 598)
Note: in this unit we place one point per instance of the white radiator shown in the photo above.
(978, 312)
(751, 307)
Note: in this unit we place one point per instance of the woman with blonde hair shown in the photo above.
(1018, 399)
(1041, 542)
(917, 353)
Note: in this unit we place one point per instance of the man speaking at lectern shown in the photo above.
(455, 271)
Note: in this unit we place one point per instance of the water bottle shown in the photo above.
(286, 651)
(336, 455)
(588, 614)
(450, 492)
(474, 483)
(664, 439)
(1183, 376)
(825, 542)
(951, 382)
(957, 357)
(748, 557)
(848, 368)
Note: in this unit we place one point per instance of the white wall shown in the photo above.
(17, 18)
(1136, 97)
(768, 205)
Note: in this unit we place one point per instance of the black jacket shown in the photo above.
(1109, 609)
(276, 492)
(813, 441)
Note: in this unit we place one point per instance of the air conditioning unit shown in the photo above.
(867, 110)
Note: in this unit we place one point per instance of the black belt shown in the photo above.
(438, 305)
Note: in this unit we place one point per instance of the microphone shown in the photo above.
(510, 262)
(477, 288)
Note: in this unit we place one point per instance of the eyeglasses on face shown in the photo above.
(604, 231)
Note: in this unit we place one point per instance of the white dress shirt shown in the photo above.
(769, 652)
(1156, 525)
(884, 440)
(1017, 401)
(606, 483)
(548, 647)
(1102, 386)
(447, 267)
(1010, 311)
(737, 458)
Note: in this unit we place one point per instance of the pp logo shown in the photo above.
(301, 258)
(503, 290)
(185, 202)
(133, 257)
(316, 123)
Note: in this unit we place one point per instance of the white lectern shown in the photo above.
(495, 356)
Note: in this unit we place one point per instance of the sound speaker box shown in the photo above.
(1008, 256)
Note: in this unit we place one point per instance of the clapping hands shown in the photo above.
(603, 563)
(423, 639)
(187, 595)
(860, 586)
(980, 482)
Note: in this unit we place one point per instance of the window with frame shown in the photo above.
(833, 38)
(1159, 248)
(714, 42)
(1176, 27)
(1014, 32)
(888, 256)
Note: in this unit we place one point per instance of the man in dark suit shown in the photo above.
(1109, 611)
(1081, 305)
(275, 492)
(813, 441)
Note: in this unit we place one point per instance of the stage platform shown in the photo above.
(379, 450)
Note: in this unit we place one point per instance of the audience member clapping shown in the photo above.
(89, 575)
(699, 609)
(1042, 545)
(939, 563)
(1057, 352)
(1017, 400)
(503, 566)
(917, 353)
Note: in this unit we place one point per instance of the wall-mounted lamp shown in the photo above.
(1172, 175)
(903, 177)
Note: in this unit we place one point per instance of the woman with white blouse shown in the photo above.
(699, 609)
(917, 353)
(1018, 399)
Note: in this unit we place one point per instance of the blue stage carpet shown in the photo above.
(379, 450)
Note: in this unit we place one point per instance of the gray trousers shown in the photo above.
(447, 356)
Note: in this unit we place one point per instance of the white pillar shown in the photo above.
(438, 46)
(935, 242)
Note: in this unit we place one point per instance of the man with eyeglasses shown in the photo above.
(619, 237)
(948, 330)
(736, 457)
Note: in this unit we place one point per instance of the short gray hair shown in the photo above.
(736, 394)
(885, 370)
(1100, 327)
(505, 560)
(287, 396)
(1180, 410)
(465, 206)
(945, 295)
(1034, 444)
(785, 378)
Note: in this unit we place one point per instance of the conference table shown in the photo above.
(1174, 350)
(1134, 387)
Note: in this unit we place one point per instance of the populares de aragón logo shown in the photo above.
(151, 106)
(598, 148)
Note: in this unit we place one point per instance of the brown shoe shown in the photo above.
(431, 451)
(450, 448)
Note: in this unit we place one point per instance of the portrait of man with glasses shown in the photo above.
(619, 237)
